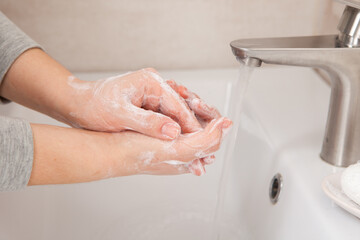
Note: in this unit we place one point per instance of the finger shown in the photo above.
(173, 85)
(172, 105)
(151, 102)
(168, 168)
(202, 143)
(148, 94)
(195, 103)
(197, 168)
(209, 138)
(209, 160)
(149, 69)
(202, 109)
(181, 90)
(151, 123)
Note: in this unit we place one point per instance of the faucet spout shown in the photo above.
(284, 51)
(341, 144)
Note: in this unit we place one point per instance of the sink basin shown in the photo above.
(281, 130)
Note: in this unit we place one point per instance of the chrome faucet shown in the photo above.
(339, 56)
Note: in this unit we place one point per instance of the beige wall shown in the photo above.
(101, 35)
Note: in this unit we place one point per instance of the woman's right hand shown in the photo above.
(146, 155)
(68, 155)
(64, 155)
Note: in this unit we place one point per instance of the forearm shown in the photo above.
(65, 155)
(37, 81)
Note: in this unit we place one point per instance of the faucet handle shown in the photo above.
(349, 25)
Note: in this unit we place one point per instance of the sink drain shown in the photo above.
(275, 188)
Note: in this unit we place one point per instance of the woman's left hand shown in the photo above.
(140, 101)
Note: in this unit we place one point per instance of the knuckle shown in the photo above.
(155, 119)
(171, 81)
(151, 69)
(151, 118)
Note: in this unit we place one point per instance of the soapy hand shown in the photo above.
(66, 155)
(141, 101)
(146, 155)
(203, 112)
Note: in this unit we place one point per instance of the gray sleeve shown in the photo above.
(16, 153)
(13, 42)
(16, 140)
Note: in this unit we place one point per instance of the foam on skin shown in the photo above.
(115, 104)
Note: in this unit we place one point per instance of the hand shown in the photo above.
(68, 155)
(111, 105)
(141, 101)
(146, 155)
(203, 112)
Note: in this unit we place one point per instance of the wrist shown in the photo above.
(65, 155)
(76, 96)
(104, 154)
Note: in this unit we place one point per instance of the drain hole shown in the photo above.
(275, 188)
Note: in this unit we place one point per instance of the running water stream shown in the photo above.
(237, 93)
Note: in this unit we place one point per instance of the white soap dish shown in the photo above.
(332, 188)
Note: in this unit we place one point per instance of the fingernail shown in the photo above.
(202, 170)
(196, 102)
(209, 159)
(170, 81)
(172, 84)
(183, 91)
(204, 106)
(212, 112)
(226, 123)
(226, 128)
(170, 130)
(197, 168)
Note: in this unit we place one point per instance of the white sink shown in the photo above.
(281, 132)
(286, 110)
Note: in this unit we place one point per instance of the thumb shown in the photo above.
(152, 123)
